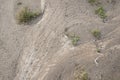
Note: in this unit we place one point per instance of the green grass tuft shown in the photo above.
(19, 3)
(75, 40)
(101, 12)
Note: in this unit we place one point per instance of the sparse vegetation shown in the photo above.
(19, 3)
(26, 15)
(80, 74)
(101, 12)
(98, 50)
(96, 33)
(84, 76)
(75, 40)
(92, 1)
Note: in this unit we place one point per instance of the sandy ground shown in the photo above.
(11, 40)
(42, 51)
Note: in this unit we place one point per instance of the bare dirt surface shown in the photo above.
(43, 51)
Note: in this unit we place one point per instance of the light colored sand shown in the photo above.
(42, 51)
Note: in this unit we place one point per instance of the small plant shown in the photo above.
(96, 34)
(84, 76)
(25, 15)
(98, 50)
(81, 74)
(75, 40)
(101, 12)
(95, 2)
(19, 3)
(92, 1)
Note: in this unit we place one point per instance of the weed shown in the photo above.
(92, 1)
(95, 2)
(75, 40)
(26, 15)
(19, 3)
(96, 34)
(98, 50)
(80, 74)
(84, 76)
(101, 12)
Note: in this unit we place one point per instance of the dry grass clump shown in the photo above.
(96, 33)
(26, 15)
(80, 74)
(94, 2)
